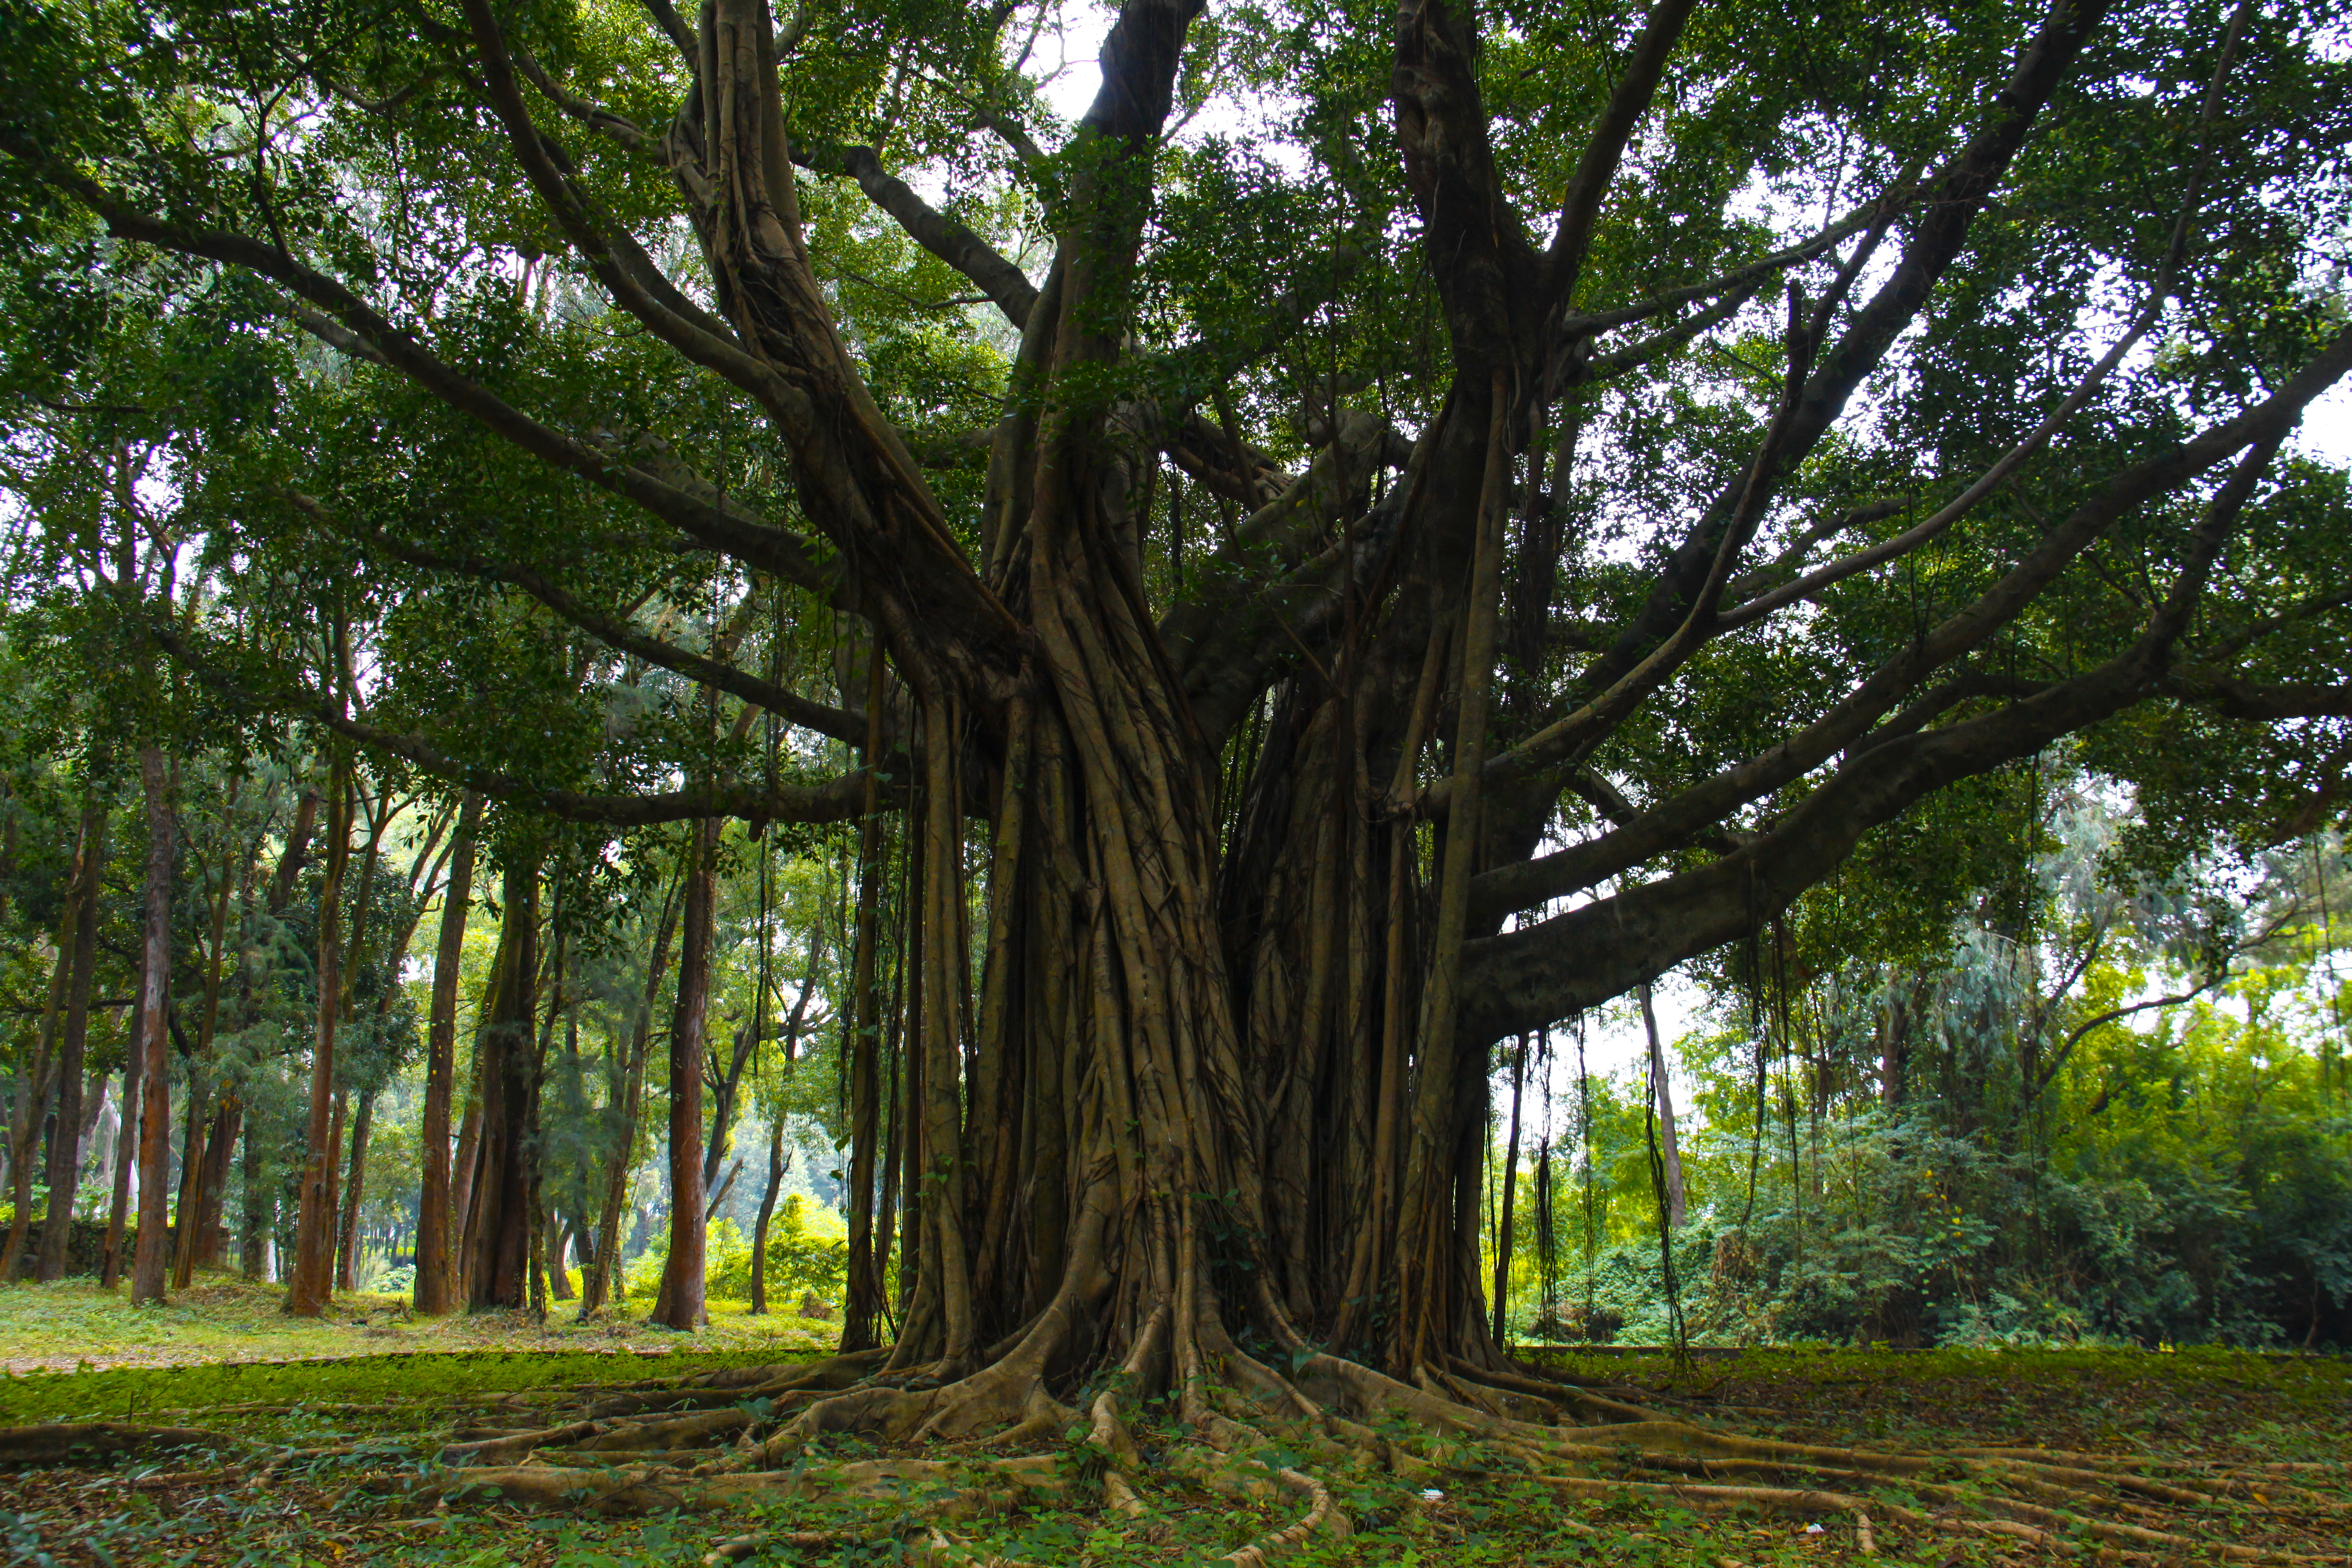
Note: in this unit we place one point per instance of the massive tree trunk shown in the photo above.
(436, 1278)
(65, 1142)
(151, 1261)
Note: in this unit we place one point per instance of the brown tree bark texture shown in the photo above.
(151, 1261)
(435, 1277)
(65, 1143)
(309, 1279)
(680, 1304)
(499, 1219)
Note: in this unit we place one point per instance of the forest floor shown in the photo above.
(377, 1416)
(73, 1324)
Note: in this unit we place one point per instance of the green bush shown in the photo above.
(808, 1250)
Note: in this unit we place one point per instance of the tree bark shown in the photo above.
(151, 1263)
(862, 1028)
(35, 1085)
(467, 1164)
(680, 1302)
(604, 1273)
(126, 1156)
(220, 1148)
(436, 1275)
(1509, 1199)
(1661, 1091)
(310, 1279)
(65, 1142)
(498, 1220)
(559, 1275)
(199, 1187)
(254, 1217)
(354, 1194)
(767, 1213)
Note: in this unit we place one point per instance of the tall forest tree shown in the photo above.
(1346, 609)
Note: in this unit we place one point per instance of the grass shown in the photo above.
(73, 1324)
(228, 1363)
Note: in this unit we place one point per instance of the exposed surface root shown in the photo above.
(80, 1442)
(1187, 1412)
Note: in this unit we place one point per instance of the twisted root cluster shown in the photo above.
(1002, 1439)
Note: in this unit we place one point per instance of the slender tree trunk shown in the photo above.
(65, 1142)
(465, 1167)
(254, 1216)
(126, 1154)
(355, 1194)
(310, 1279)
(435, 1275)
(200, 1188)
(220, 1149)
(680, 1303)
(862, 1021)
(1670, 1151)
(558, 1275)
(498, 1220)
(603, 1274)
(766, 1213)
(1503, 1237)
(1431, 1312)
(151, 1263)
(181, 1268)
(35, 1084)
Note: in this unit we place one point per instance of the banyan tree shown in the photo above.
(1393, 528)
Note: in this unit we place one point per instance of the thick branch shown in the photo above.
(1539, 974)
(1675, 822)
(836, 800)
(1949, 207)
(612, 630)
(944, 237)
(1606, 148)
